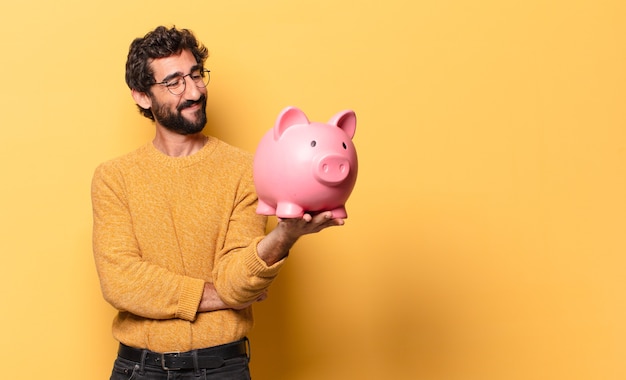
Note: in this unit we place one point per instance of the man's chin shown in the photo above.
(194, 117)
(187, 122)
(193, 128)
(187, 128)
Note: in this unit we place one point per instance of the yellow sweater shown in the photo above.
(165, 225)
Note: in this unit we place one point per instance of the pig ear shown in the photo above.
(290, 116)
(345, 120)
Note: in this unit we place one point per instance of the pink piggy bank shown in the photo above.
(301, 166)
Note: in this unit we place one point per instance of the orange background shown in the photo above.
(486, 236)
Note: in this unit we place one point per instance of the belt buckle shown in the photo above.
(166, 368)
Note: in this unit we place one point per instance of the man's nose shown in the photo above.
(192, 92)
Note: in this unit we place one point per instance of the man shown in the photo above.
(179, 248)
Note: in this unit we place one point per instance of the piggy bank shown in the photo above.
(303, 167)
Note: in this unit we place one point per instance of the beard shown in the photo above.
(176, 122)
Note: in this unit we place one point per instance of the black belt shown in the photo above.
(207, 358)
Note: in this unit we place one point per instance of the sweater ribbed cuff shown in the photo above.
(258, 267)
(190, 295)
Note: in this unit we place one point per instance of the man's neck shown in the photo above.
(177, 145)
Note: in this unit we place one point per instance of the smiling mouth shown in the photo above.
(192, 107)
(191, 104)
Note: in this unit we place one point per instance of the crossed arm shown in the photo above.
(132, 283)
(272, 248)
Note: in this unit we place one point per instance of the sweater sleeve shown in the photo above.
(239, 274)
(128, 282)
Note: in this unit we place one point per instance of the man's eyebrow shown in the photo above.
(172, 76)
(178, 73)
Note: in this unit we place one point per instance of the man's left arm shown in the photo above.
(250, 260)
(240, 277)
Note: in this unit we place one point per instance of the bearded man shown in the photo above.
(178, 246)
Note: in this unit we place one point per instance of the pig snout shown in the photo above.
(331, 169)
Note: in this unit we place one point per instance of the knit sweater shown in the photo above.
(163, 226)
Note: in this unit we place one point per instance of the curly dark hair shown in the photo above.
(159, 43)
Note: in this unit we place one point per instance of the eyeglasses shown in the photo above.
(177, 83)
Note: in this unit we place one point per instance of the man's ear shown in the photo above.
(142, 99)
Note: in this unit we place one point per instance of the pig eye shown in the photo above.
(344, 146)
(313, 143)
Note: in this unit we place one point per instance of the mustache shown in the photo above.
(190, 103)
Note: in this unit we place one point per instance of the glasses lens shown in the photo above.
(177, 85)
(206, 77)
(178, 90)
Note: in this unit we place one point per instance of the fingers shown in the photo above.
(326, 219)
(309, 223)
(324, 215)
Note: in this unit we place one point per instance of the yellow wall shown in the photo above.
(486, 237)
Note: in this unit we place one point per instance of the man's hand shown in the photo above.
(276, 245)
(273, 248)
(211, 301)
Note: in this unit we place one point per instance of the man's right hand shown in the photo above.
(211, 301)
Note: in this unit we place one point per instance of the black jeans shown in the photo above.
(233, 369)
